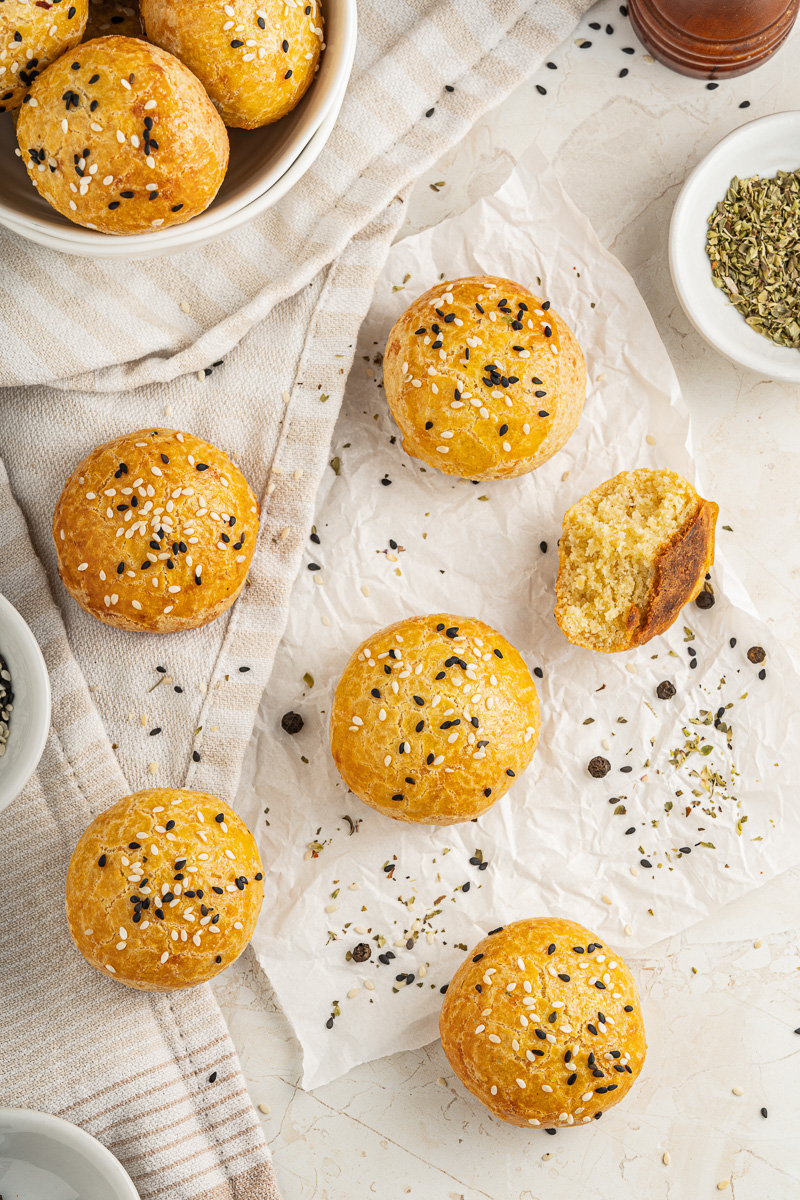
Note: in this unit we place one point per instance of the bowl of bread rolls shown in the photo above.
(130, 130)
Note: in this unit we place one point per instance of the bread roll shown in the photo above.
(120, 137)
(484, 379)
(255, 61)
(155, 532)
(542, 1023)
(632, 554)
(32, 35)
(164, 889)
(433, 719)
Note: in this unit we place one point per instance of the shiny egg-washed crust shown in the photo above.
(108, 17)
(679, 571)
(31, 33)
(144, 119)
(464, 419)
(236, 50)
(502, 1045)
(142, 519)
(164, 851)
(465, 736)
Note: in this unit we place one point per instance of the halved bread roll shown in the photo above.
(632, 553)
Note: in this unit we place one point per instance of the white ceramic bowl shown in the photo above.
(185, 237)
(45, 1158)
(761, 147)
(259, 160)
(30, 719)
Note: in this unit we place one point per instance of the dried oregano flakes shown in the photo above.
(753, 243)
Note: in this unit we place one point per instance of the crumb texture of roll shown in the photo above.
(433, 719)
(32, 35)
(483, 378)
(155, 532)
(122, 138)
(542, 1023)
(632, 553)
(164, 889)
(255, 61)
(110, 18)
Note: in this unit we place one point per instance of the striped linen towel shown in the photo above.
(283, 297)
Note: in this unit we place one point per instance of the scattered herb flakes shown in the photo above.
(336, 465)
(308, 679)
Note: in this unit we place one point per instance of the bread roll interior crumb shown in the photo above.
(611, 543)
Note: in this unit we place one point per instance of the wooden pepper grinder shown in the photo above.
(712, 39)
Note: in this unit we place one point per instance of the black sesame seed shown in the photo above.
(101, 862)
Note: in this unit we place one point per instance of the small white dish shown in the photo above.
(45, 1158)
(185, 236)
(761, 147)
(259, 159)
(30, 718)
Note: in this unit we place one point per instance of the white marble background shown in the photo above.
(721, 1000)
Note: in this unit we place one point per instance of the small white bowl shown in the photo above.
(45, 1158)
(259, 158)
(185, 237)
(30, 719)
(761, 147)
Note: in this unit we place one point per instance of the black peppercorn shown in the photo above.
(292, 722)
(361, 952)
(705, 599)
(756, 654)
(665, 690)
(598, 767)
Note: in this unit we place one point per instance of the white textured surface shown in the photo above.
(622, 149)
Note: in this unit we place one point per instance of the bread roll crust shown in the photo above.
(433, 719)
(155, 532)
(35, 34)
(657, 551)
(680, 570)
(528, 1031)
(159, 889)
(453, 414)
(157, 149)
(256, 62)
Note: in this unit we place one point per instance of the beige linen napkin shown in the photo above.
(283, 298)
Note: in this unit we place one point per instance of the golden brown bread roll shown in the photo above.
(164, 889)
(110, 17)
(255, 61)
(484, 379)
(32, 35)
(155, 532)
(632, 554)
(542, 1023)
(433, 719)
(120, 137)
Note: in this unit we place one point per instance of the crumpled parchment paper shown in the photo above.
(684, 821)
